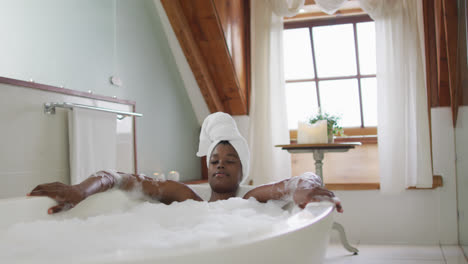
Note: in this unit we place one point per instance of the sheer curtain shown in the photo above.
(268, 119)
(329, 6)
(404, 142)
(403, 134)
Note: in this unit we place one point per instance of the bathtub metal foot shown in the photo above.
(338, 227)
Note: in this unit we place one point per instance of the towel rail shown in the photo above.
(49, 108)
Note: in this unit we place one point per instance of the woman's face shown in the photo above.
(225, 170)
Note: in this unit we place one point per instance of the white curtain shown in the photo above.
(329, 6)
(268, 119)
(403, 134)
(404, 144)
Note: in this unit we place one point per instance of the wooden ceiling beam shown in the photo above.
(432, 78)
(442, 66)
(450, 16)
(234, 17)
(200, 34)
(193, 55)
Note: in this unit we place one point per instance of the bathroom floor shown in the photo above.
(389, 254)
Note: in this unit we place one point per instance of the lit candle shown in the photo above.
(312, 133)
(173, 176)
(159, 176)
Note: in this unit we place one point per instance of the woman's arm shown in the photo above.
(68, 196)
(164, 191)
(301, 189)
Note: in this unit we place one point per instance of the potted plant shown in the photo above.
(332, 124)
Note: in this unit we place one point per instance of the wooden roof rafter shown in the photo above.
(198, 28)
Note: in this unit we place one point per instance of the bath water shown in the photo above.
(159, 228)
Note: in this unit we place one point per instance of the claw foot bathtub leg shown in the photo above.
(338, 227)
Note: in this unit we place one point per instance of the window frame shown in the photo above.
(365, 134)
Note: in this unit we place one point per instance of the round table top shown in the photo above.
(346, 145)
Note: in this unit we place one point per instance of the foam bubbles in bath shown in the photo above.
(155, 227)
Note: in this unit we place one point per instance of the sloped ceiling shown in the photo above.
(214, 36)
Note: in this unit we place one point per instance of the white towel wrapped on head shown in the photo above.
(219, 127)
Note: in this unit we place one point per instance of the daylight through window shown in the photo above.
(331, 65)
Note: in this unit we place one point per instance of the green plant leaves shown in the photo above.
(332, 122)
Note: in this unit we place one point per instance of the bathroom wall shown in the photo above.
(461, 140)
(34, 149)
(413, 216)
(80, 44)
(461, 129)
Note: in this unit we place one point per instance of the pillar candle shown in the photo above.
(312, 133)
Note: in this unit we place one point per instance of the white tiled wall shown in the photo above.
(34, 146)
(426, 217)
(461, 135)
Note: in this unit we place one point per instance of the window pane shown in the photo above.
(334, 50)
(297, 54)
(366, 47)
(301, 100)
(341, 97)
(369, 101)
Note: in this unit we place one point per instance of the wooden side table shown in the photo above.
(319, 151)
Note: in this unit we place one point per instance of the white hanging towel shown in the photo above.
(92, 140)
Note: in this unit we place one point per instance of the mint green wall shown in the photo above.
(57, 42)
(80, 44)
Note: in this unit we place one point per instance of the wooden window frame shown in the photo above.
(363, 134)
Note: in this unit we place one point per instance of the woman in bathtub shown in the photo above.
(228, 161)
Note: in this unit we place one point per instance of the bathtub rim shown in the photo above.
(326, 210)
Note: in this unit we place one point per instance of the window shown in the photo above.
(330, 64)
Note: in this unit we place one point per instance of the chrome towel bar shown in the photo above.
(49, 108)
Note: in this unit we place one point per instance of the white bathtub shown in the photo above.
(302, 241)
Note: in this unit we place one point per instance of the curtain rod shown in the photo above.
(49, 108)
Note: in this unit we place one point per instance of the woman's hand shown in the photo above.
(67, 196)
(303, 196)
